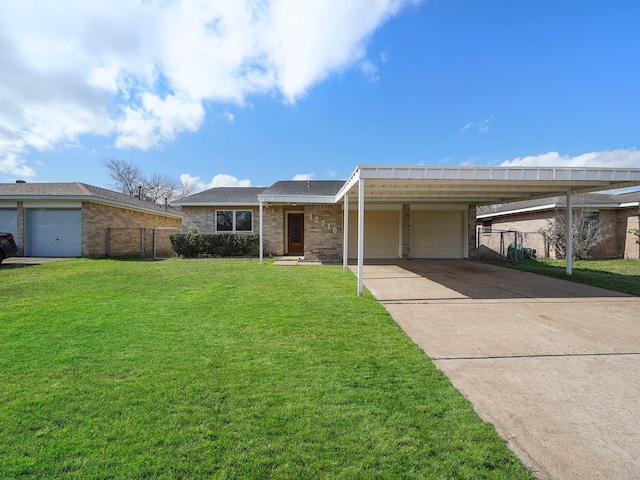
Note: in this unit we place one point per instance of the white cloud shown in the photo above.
(141, 72)
(369, 70)
(331, 173)
(482, 126)
(229, 117)
(193, 184)
(14, 165)
(220, 180)
(621, 158)
(223, 180)
(304, 176)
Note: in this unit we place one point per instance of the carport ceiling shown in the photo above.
(477, 185)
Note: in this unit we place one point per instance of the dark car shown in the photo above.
(8, 247)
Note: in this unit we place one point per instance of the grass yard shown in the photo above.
(222, 369)
(621, 275)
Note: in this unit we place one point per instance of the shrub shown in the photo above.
(191, 245)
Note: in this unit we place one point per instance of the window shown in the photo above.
(234, 221)
(487, 226)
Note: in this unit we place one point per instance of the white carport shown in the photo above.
(469, 186)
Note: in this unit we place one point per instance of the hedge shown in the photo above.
(194, 244)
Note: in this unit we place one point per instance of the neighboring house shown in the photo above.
(76, 219)
(409, 212)
(614, 214)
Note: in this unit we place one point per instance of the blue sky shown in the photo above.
(251, 92)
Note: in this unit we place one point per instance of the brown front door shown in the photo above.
(295, 229)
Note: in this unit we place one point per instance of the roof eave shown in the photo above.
(304, 199)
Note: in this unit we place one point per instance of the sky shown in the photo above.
(249, 92)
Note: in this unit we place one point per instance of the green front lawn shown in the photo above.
(222, 369)
(621, 275)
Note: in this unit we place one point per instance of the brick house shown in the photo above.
(76, 219)
(299, 217)
(615, 214)
(407, 212)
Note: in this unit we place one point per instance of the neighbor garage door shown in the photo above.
(381, 234)
(9, 220)
(55, 232)
(437, 234)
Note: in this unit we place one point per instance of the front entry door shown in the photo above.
(295, 229)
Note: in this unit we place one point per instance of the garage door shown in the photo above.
(437, 234)
(55, 232)
(381, 234)
(9, 220)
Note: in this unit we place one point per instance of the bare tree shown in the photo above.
(126, 176)
(587, 233)
(188, 186)
(158, 187)
(636, 231)
(130, 180)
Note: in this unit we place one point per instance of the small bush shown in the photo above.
(191, 245)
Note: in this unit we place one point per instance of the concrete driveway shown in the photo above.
(554, 365)
(13, 262)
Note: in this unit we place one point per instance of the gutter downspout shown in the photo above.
(569, 233)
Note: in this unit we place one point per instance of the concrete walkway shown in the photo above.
(553, 365)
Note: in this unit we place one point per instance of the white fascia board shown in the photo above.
(128, 206)
(550, 206)
(297, 198)
(33, 200)
(353, 180)
(499, 173)
(629, 204)
(217, 204)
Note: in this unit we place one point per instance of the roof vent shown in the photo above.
(21, 181)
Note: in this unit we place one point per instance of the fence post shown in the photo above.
(142, 242)
(108, 252)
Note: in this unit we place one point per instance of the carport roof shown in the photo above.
(479, 185)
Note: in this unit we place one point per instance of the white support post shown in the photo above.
(345, 234)
(360, 236)
(569, 238)
(261, 240)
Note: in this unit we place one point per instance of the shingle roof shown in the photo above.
(629, 197)
(76, 191)
(581, 199)
(305, 187)
(300, 189)
(224, 195)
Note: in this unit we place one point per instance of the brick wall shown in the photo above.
(273, 230)
(203, 219)
(125, 227)
(471, 232)
(323, 227)
(406, 231)
(615, 223)
(628, 219)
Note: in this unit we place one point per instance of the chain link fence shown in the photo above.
(510, 245)
(143, 242)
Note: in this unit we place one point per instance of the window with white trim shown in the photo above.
(234, 221)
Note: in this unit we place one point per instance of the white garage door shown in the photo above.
(55, 232)
(9, 220)
(381, 234)
(437, 234)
